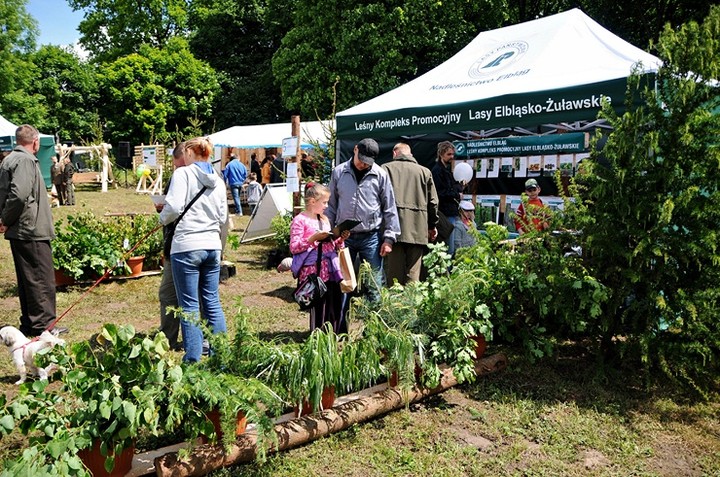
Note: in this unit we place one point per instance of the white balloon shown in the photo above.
(463, 172)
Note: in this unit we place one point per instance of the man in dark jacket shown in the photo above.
(278, 170)
(67, 181)
(26, 221)
(448, 189)
(417, 206)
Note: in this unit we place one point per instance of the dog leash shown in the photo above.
(105, 275)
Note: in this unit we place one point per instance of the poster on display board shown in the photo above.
(534, 166)
(567, 164)
(493, 167)
(488, 208)
(521, 165)
(149, 155)
(289, 147)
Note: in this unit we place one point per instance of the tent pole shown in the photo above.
(503, 203)
(295, 132)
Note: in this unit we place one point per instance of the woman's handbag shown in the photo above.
(312, 289)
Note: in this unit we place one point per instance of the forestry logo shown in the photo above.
(498, 59)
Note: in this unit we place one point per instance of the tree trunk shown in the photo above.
(206, 458)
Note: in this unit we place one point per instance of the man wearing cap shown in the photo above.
(417, 206)
(235, 174)
(361, 190)
(462, 235)
(535, 218)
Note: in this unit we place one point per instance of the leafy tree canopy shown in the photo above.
(114, 28)
(17, 40)
(370, 47)
(154, 93)
(70, 91)
(238, 41)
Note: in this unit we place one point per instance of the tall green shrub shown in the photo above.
(653, 228)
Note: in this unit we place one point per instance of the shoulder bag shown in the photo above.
(170, 229)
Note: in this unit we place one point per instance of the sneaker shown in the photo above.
(205, 348)
(59, 330)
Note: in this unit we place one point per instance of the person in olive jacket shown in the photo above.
(26, 221)
(417, 206)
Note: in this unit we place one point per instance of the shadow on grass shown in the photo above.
(575, 375)
(11, 379)
(284, 337)
(283, 292)
(252, 264)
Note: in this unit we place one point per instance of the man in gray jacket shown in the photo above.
(26, 221)
(361, 190)
(417, 205)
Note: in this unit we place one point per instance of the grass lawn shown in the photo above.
(555, 418)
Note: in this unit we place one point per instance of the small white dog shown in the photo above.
(23, 351)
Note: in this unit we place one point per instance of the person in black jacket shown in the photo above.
(278, 170)
(449, 190)
(255, 165)
(67, 181)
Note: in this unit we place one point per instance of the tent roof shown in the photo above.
(269, 135)
(532, 66)
(8, 129)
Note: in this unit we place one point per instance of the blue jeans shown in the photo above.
(235, 189)
(197, 278)
(366, 245)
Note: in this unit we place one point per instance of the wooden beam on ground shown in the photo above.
(206, 458)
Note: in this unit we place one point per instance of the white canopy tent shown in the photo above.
(6, 127)
(44, 155)
(554, 69)
(270, 135)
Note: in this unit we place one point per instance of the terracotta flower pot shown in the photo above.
(240, 424)
(480, 345)
(95, 461)
(62, 279)
(327, 401)
(394, 379)
(136, 265)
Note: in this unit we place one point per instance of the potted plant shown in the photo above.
(451, 316)
(140, 236)
(218, 405)
(435, 318)
(85, 247)
(146, 235)
(110, 389)
(280, 225)
(389, 325)
(299, 372)
(313, 372)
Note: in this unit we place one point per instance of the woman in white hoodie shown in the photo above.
(196, 245)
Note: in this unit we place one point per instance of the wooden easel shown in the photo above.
(155, 186)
